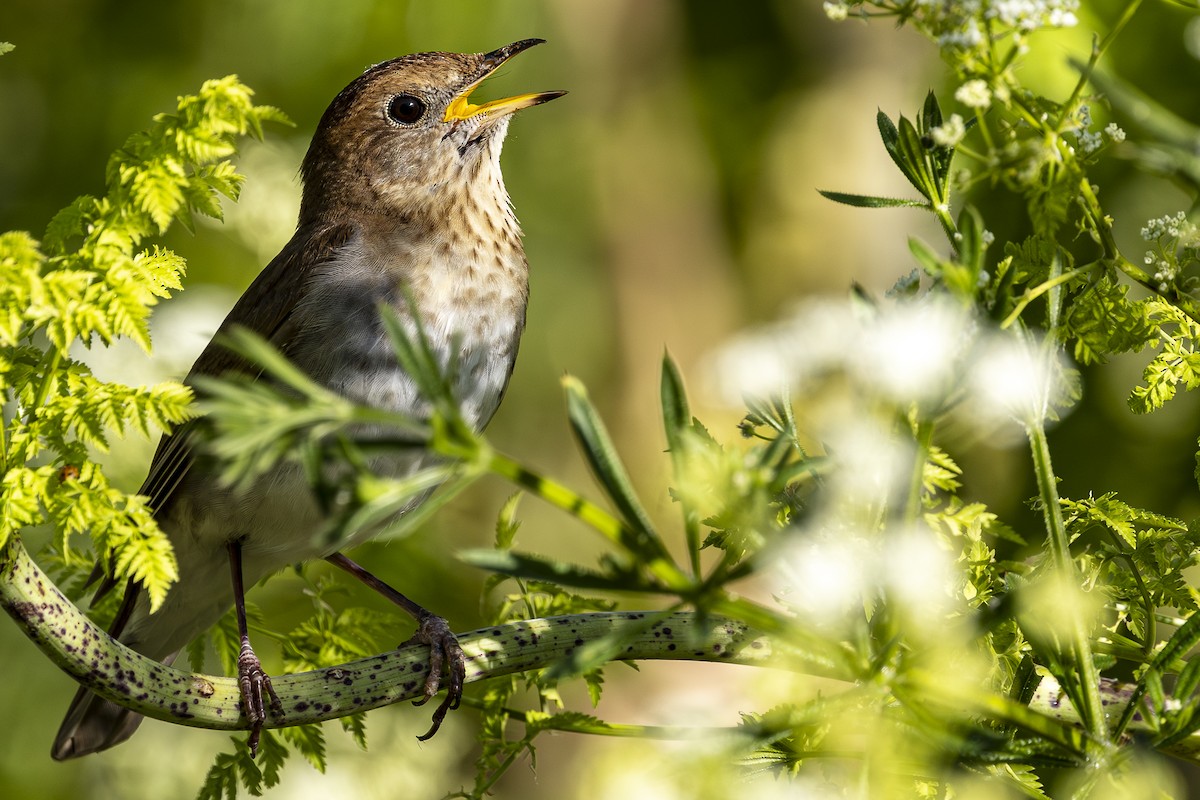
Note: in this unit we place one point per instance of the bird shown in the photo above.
(403, 205)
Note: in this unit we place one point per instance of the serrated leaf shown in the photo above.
(221, 782)
(271, 757)
(68, 224)
(309, 742)
(507, 523)
(158, 190)
(356, 726)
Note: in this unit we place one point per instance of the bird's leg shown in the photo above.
(252, 679)
(444, 650)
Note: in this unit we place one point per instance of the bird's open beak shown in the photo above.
(461, 108)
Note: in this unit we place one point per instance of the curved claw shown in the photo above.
(253, 680)
(444, 654)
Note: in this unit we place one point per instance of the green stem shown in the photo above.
(1037, 291)
(559, 496)
(48, 375)
(592, 515)
(82, 650)
(1102, 225)
(77, 646)
(1098, 51)
(1092, 710)
(1045, 717)
(941, 210)
(1150, 636)
(923, 441)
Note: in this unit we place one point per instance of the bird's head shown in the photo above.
(405, 132)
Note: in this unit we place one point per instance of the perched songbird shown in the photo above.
(403, 198)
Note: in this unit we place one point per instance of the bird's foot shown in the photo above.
(256, 688)
(444, 653)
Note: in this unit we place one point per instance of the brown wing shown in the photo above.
(264, 308)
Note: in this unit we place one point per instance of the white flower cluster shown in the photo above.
(950, 132)
(1089, 140)
(836, 11)
(1165, 272)
(1029, 15)
(962, 25)
(1168, 232)
(909, 352)
(1173, 226)
(964, 36)
(974, 94)
(826, 575)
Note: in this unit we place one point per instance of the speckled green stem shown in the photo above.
(88, 654)
(84, 651)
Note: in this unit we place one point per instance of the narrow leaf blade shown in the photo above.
(606, 465)
(870, 201)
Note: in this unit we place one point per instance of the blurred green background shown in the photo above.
(668, 201)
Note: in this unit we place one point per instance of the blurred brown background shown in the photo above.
(668, 202)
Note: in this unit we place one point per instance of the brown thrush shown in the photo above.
(404, 205)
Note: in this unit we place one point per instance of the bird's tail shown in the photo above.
(93, 724)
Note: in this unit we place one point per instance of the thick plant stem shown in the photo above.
(1092, 709)
(81, 649)
(69, 639)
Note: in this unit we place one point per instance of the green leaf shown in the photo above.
(221, 782)
(531, 567)
(7, 47)
(1189, 679)
(395, 505)
(507, 523)
(970, 246)
(915, 161)
(673, 397)
(309, 742)
(941, 158)
(679, 425)
(927, 257)
(22, 492)
(356, 726)
(158, 190)
(931, 112)
(68, 224)
(1103, 321)
(1184, 639)
(891, 142)
(869, 201)
(606, 465)
(272, 754)
(418, 359)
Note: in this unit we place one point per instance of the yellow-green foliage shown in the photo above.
(93, 278)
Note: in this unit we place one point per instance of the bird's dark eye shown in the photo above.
(405, 109)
